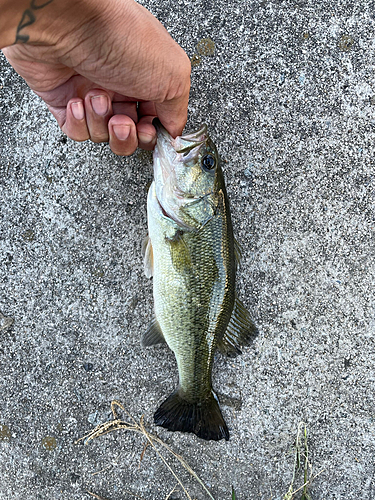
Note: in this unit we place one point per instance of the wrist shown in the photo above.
(11, 16)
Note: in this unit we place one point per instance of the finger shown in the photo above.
(122, 135)
(173, 115)
(75, 124)
(146, 133)
(125, 108)
(98, 110)
(146, 108)
(173, 112)
(73, 87)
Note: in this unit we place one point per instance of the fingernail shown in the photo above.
(99, 104)
(146, 138)
(121, 132)
(77, 110)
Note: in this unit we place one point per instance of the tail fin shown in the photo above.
(203, 418)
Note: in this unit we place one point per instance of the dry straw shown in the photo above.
(152, 440)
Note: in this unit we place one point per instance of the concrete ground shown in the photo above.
(289, 97)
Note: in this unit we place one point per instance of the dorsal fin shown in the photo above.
(237, 251)
(240, 331)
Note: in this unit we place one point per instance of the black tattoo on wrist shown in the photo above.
(37, 5)
(28, 18)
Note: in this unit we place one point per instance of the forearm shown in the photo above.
(42, 22)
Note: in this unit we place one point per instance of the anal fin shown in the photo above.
(240, 331)
(153, 335)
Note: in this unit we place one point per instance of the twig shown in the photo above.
(99, 471)
(306, 495)
(133, 494)
(118, 424)
(142, 454)
(307, 482)
(95, 495)
(126, 491)
(170, 493)
(289, 494)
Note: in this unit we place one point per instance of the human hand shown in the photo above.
(105, 70)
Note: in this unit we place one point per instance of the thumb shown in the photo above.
(173, 113)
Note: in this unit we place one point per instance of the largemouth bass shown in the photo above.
(192, 255)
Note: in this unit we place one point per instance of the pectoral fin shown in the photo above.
(240, 331)
(148, 257)
(179, 251)
(153, 335)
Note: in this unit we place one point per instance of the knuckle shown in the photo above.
(78, 137)
(99, 138)
(186, 67)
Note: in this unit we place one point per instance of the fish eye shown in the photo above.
(208, 162)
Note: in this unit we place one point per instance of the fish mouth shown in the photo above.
(167, 153)
(182, 144)
(184, 148)
(191, 143)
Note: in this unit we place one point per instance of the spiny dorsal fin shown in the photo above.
(148, 257)
(240, 331)
(153, 335)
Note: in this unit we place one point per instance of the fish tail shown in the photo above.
(203, 417)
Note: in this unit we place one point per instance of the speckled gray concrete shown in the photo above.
(289, 97)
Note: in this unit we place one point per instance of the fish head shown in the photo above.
(185, 173)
